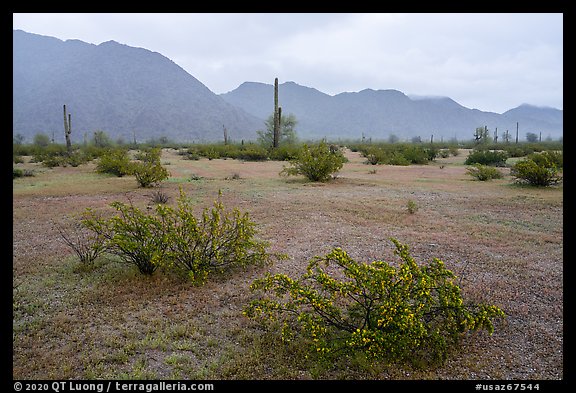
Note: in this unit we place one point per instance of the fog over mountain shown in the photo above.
(116, 88)
(127, 92)
(379, 114)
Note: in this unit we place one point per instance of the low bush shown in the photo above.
(136, 237)
(411, 206)
(173, 238)
(252, 153)
(316, 163)
(87, 245)
(487, 157)
(484, 172)
(149, 171)
(218, 241)
(408, 313)
(115, 162)
(541, 173)
(17, 172)
(548, 158)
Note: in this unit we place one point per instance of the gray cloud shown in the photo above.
(487, 61)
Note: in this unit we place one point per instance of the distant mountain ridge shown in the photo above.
(122, 90)
(133, 92)
(381, 113)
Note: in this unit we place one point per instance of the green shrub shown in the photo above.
(149, 174)
(396, 158)
(285, 152)
(17, 172)
(417, 154)
(149, 171)
(541, 174)
(150, 155)
(136, 237)
(548, 158)
(170, 237)
(316, 162)
(115, 162)
(411, 206)
(444, 153)
(375, 156)
(252, 153)
(407, 313)
(484, 172)
(487, 157)
(218, 241)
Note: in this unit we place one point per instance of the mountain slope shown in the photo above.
(116, 88)
(381, 113)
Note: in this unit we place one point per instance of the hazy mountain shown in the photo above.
(381, 113)
(115, 88)
(124, 91)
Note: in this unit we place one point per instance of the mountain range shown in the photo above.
(122, 90)
(380, 114)
(136, 93)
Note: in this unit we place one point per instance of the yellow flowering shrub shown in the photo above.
(391, 313)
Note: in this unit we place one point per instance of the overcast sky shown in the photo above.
(492, 62)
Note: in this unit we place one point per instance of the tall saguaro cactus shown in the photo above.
(225, 134)
(276, 140)
(68, 130)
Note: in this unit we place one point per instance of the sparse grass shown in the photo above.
(505, 241)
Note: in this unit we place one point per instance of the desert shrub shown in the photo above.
(252, 153)
(150, 155)
(417, 154)
(487, 157)
(540, 173)
(444, 153)
(374, 156)
(408, 313)
(398, 154)
(454, 150)
(285, 152)
(218, 241)
(17, 172)
(518, 151)
(159, 196)
(211, 154)
(115, 162)
(484, 172)
(136, 237)
(316, 162)
(86, 244)
(149, 171)
(395, 158)
(411, 206)
(548, 158)
(173, 238)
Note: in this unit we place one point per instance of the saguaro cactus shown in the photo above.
(276, 140)
(225, 134)
(68, 130)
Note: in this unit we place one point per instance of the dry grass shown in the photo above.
(107, 321)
